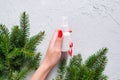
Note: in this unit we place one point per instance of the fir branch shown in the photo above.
(97, 62)
(19, 43)
(4, 43)
(73, 69)
(76, 60)
(92, 69)
(21, 74)
(16, 57)
(86, 73)
(103, 77)
(28, 53)
(34, 41)
(4, 30)
(14, 36)
(99, 68)
(34, 62)
(24, 24)
(61, 69)
(2, 66)
(15, 52)
(83, 72)
(93, 59)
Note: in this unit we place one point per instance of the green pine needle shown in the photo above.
(34, 41)
(24, 24)
(91, 69)
(18, 54)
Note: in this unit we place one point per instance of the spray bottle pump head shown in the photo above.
(65, 24)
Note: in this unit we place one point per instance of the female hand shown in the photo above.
(52, 57)
(53, 53)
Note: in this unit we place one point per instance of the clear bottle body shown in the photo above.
(66, 41)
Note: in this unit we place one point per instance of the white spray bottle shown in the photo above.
(66, 34)
(66, 40)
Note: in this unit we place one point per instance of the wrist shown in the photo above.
(41, 72)
(46, 66)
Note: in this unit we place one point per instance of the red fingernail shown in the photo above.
(70, 30)
(70, 52)
(71, 45)
(60, 33)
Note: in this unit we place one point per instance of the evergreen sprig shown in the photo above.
(62, 69)
(34, 41)
(91, 69)
(97, 63)
(17, 50)
(24, 24)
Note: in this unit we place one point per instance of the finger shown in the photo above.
(59, 39)
(52, 41)
(70, 30)
(70, 52)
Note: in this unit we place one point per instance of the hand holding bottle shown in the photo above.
(52, 57)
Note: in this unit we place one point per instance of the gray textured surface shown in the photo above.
(95, 24)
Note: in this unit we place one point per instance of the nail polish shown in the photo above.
(71, 44)
(60, 33)
(70, 52)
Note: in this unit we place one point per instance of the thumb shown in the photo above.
(59, 39)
